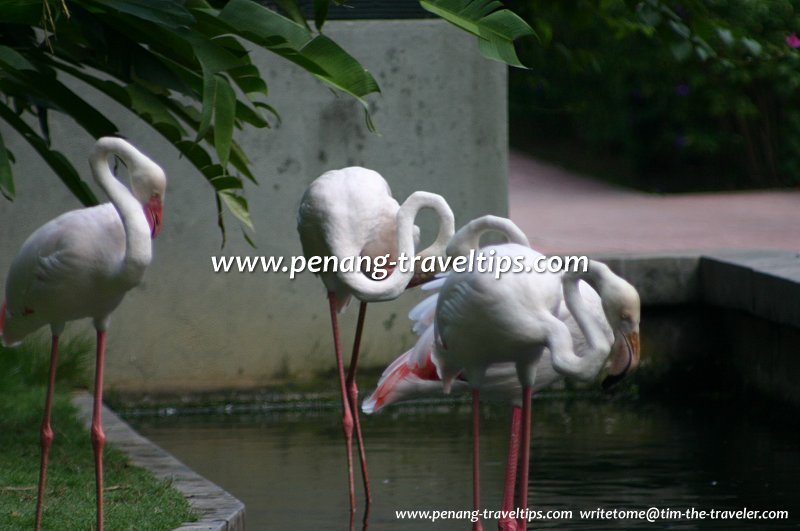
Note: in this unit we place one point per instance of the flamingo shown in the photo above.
(350, 213)
(516, 315)
(79, 265)
(528, 325)
(413, 374)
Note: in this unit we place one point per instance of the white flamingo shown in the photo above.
(413, 374)
(351, 213)
(80, 265)
(595, 325)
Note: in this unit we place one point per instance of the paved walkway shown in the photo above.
(562, 212)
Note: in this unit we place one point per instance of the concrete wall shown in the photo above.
(442, 127)
(725, 315)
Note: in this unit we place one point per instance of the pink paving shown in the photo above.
(564, 212)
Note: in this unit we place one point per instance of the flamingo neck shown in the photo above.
(408, 213)
(367, 289)
(138, 250)
(468, 237)
(596, 340)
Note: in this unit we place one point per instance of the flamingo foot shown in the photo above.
(525, 444)
(347, 418)
(98, 436)
(476, 477)
(46, 431)
(352, 393)
(46, 437)
(508, 523)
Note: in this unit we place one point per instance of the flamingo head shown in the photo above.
(149, 184)
(622, 307)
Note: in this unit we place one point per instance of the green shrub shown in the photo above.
(691, 94)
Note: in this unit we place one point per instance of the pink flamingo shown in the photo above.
(582, 312)
(351, 213)
(79, 265)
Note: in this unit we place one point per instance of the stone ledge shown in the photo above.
(217, 509)
(660, 278)
(764, 283)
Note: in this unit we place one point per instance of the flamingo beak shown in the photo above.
(153, 211)
(625, 360)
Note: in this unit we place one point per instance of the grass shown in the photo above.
(134, 499)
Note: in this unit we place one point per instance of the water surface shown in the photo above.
(289, 468)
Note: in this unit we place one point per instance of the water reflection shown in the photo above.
(289, 468)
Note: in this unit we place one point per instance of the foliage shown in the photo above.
(183, 68)
(28, 364)
(134, 499)
(496, 28)
(702, 89)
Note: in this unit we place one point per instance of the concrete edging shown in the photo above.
(764, 283)
(755, 331)
(218, 510)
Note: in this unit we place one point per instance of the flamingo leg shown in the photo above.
(526, 453)
(46, 430)
(508, 523)
(476, 474)
(352, 392)
(98, 437)
(347, 417)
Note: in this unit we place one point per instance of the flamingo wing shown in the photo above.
(65, 271)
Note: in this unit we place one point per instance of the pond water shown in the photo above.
(289, 467)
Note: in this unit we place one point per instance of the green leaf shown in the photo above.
(320, 13)
(209, 89)
(291, 8)
(680, 28)
(341, 70)
(263, 26)
(248, 239)
(319, 55)
(224, 115)
(167, 13)
(6, 176)
(238, 207)
(224, 182)
(726, 36)
(213, 58)
(149, 106)
(10, 58)
(240, 162)
(56, 95)
(496, 28)
(250, 116)
(248, 79)
(752, 46)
